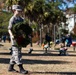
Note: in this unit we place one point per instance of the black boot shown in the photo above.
(10, 50)
(11, 68)
(22, 69)
(30, 51)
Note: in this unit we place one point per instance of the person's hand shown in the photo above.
(12, 36)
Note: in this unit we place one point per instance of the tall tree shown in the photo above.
(40, 11)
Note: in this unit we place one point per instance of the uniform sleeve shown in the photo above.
(11, 22)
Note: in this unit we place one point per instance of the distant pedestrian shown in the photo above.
(48, 39)
(4, 38)
(68, 40)
(31, 45)
(63, 39)
(8, 38)
(63, 49)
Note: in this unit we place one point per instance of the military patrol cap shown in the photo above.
(17, 7)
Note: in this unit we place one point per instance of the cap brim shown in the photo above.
(19, 9)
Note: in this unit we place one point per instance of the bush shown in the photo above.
(22, 31)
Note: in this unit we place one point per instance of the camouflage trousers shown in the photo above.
(16, 53)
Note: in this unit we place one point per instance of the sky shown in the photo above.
(66, 4)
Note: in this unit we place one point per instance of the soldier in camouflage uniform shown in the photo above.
(16, 51)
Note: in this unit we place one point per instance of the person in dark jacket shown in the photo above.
(68, 40)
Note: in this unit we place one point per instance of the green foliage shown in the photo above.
(22, 26)
(64, 31)
(40, 11)
(34, 26)
(73, 36)
(11, 2)
(4, 19)
(22, 31)
(74, 9)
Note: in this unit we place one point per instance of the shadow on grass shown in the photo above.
(4, 53)
(4, 60)
(28, 61)
(39, 54)
(1, 45)
(71, 55)
(56, 73)
(31, 61)
(47, 54)
(32, 54)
